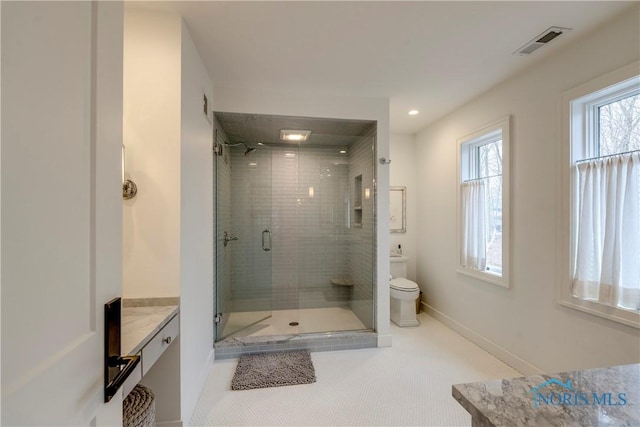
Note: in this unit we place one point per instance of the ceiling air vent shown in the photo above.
(540, 40)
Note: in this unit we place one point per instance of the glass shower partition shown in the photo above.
(336, 234)
(243, 239)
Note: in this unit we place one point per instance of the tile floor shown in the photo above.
(408, 384)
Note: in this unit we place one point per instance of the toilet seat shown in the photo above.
(403, 285)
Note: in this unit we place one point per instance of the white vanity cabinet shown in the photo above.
(147, 332)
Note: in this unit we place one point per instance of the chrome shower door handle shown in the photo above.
(266, 240)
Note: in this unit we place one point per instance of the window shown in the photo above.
(483, 214)
(601, 176)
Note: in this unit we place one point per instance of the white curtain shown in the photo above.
(474, 248)
(608, 233)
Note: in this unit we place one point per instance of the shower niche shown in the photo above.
(300, 218)
(357, 203)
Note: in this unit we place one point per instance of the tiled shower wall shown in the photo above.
(301, 196)
(361, 247)
(322, 222)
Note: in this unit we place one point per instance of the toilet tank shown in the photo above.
(398, 267)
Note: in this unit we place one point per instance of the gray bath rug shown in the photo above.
(273, 370)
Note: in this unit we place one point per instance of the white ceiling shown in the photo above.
(429, 56)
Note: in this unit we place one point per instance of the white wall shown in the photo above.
(151, 229)
(168, 249)
(404, 168)
(524, 324)
(196, 217)
(313, 105)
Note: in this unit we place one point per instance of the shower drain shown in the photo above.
(293, 324)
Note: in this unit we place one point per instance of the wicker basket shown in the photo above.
(139, 409)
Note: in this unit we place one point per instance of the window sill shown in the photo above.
(492, 278)
(625, 317)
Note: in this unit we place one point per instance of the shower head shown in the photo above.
(248, 150)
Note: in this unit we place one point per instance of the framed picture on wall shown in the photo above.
(397, 209)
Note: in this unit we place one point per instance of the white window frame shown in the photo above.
(578, 130)
(464, 145)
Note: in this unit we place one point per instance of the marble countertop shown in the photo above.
(140, 324)
(593, 397)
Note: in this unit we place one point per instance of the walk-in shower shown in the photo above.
(295, 227)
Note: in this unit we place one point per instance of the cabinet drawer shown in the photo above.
(159, 343)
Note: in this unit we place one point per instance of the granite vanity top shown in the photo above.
(140, 324)
(593, 397)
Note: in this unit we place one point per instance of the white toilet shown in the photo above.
(403, 294)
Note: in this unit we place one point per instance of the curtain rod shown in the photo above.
(607, 156)
(478, 179)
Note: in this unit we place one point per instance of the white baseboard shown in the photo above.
(206, 368)
(384, 340)
(506, 356)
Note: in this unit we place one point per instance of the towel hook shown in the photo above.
(129, 188)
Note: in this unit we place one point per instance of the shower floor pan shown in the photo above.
(280, 332)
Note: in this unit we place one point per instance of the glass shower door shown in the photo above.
(243, 241)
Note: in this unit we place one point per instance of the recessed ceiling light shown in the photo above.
(343, 151)
(289, 155)
(413, 112)
(294, 135)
